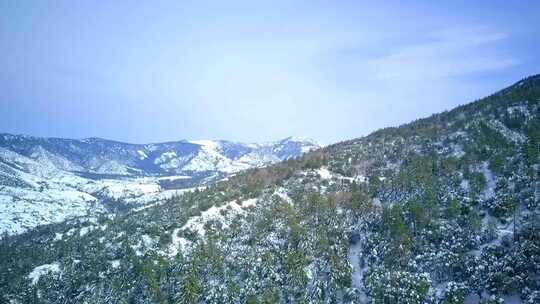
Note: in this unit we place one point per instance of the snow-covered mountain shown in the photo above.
(45, 180)
(100, 156)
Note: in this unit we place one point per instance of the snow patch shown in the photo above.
(220, 213)
(177, 243)
(115, 264)
(84, 230)
(491, 181)
(354, 254)
(281, 193)
(324, 173)
(38, 271)
(507, 133)
(143, 245)
(142, 155)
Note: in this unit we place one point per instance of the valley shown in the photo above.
(49, 180)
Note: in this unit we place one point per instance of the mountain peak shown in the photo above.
(298, 139)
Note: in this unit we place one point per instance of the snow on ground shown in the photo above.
(84, 230)
(71, 231)
(51, 200)
(210, 159)
(174, 177)
(42, 188)
(249, 203)
(155, 199)
(305, 149)
(502, 231)
(118, 189)
(457, 151)
(356, 179)
(510, 135)
(38, 271)
(281, 192)
(52, 195)
(464, 184)
(143, 244)
(358, 272)
(257, 158)
(170, 160)
(520, 109)
(22, 209)
(51, 160)
(142, 155)
(491, 181)
(110, 167)
(147, 240)
(196, 223)
(177, 243)
(324, 173)
(115, 264)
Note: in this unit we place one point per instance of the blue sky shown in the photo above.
(252, 70)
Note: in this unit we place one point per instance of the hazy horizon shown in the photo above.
(292, 137)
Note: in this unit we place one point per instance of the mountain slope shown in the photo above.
(441, 210)
(47, 180)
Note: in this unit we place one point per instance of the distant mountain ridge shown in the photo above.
(47, 180)
(102, 156)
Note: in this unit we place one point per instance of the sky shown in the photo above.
(252, 71)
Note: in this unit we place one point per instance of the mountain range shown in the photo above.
(45, 180)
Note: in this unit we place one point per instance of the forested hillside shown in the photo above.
(445, 209)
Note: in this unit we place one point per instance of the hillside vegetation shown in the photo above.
(445, 209)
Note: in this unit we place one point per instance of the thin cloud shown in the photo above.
(449, 53)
